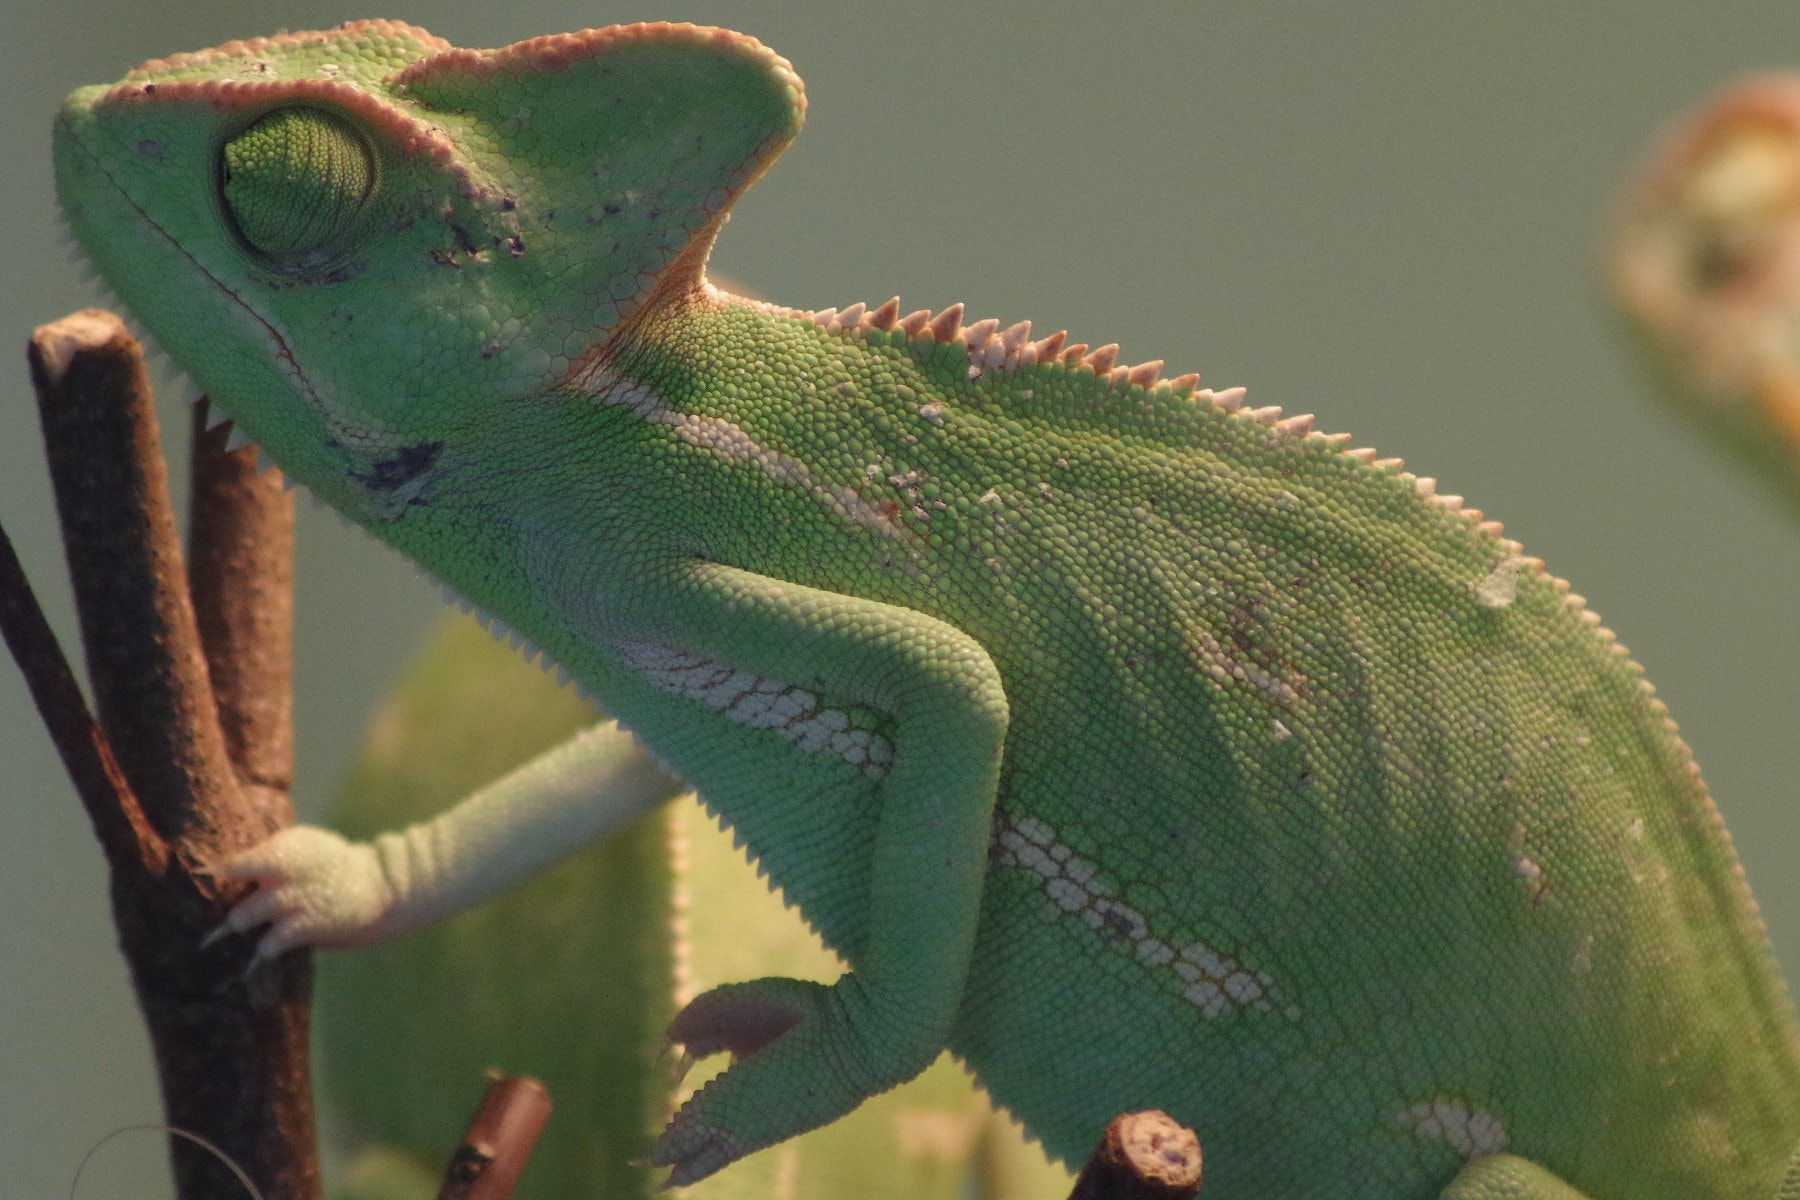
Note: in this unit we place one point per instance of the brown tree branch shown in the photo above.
(231, 1052)
(499, 1140)
(1142, 1156)
(241, 570)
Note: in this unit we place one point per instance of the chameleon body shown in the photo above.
(1146, 749)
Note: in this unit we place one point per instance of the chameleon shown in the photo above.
(1145, 748)
(1701, 263)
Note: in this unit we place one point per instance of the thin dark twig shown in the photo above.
(119, 823)
(498, 1141)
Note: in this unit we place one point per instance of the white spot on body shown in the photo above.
(1213, 982)
(1582, 961)
(1470, 1131)
(759, 702)
(1501, 585)
(1524, 865)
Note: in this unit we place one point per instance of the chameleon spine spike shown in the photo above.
(976, 336)
(1145, 373)
(946, 325)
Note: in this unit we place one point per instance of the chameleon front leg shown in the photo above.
(316, 888)
(1508, 1177)
(747, 686)
(740, 666)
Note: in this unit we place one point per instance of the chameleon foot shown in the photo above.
(313, 888)
(801, 1060)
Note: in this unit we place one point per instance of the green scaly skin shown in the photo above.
(1146, 750)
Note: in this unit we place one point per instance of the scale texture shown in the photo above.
(1147, 749)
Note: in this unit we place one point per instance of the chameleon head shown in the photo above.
(454, 229)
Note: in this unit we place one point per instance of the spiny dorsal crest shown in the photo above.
(990, 347)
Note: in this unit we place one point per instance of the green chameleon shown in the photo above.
(1143, 748)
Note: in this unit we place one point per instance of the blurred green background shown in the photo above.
(1384, 213)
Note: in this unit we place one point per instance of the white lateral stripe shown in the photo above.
(760, 702)
(1211, 981)
(731, 441)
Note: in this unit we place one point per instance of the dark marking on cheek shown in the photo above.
(400, 469)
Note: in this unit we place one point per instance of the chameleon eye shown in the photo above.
(294, 182)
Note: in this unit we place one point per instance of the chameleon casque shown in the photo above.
(1144, 748)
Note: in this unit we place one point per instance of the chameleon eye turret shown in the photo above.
(294, 183)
